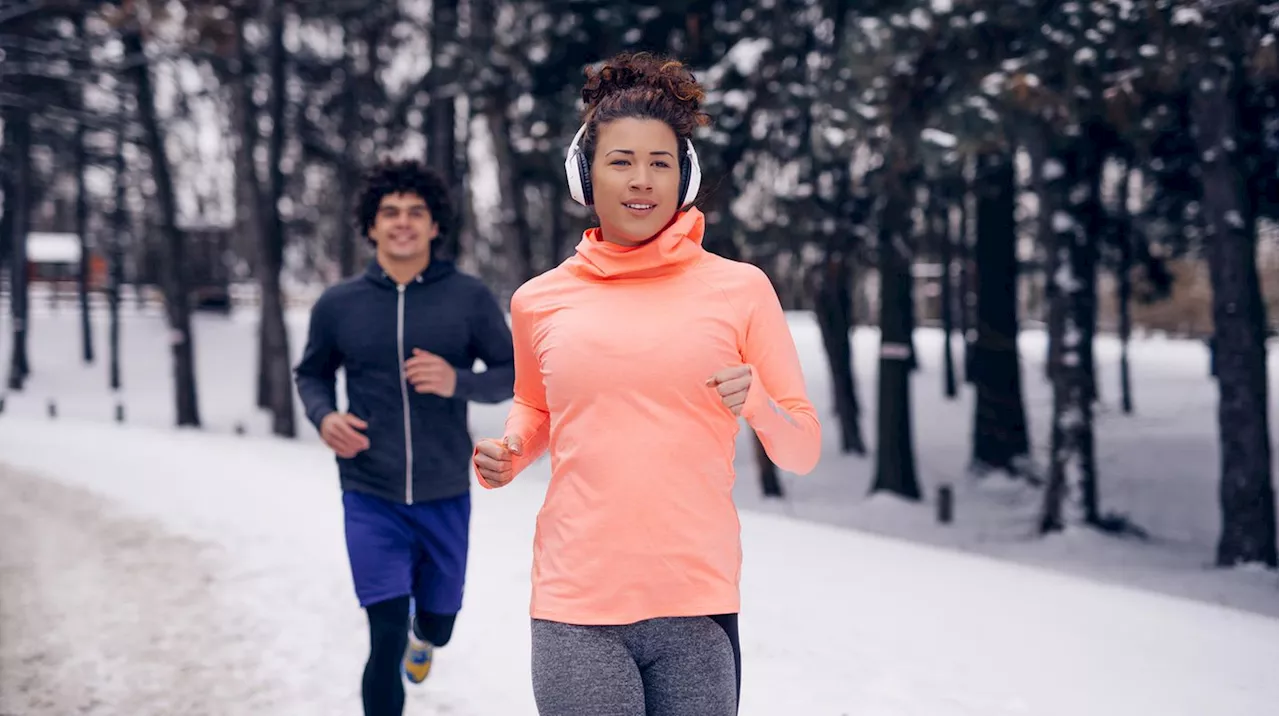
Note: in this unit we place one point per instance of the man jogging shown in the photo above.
(406, 334)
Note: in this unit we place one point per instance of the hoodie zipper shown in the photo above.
(404, 398)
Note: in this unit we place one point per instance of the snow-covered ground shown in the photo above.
(1159, 466)
(210, 566)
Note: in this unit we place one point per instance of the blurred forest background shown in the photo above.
(978, 166)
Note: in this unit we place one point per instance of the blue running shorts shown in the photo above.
(417, 550)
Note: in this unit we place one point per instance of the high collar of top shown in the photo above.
(673, 250)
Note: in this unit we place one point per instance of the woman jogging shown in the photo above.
(634, 360)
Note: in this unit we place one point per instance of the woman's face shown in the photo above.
(635, 179)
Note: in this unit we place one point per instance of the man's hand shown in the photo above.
(493, 459)
(341, 432)
(732, 384)
(429, 373)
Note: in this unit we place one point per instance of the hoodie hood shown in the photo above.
(678, 247)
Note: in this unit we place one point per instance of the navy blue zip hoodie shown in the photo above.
(420, 446)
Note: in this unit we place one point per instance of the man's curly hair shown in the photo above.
(405, 177)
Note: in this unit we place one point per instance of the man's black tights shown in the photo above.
(382, 689)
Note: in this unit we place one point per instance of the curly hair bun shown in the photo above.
(647, 78)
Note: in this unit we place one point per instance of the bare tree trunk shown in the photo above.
(1071, 495)
(939, 224)
(6, 216)
(441, 125)
(835, 321)
(999, 417)
(348, 238)
(471, 245)
(274, 332)
(248, 194)
(1246, 494)
(1124, 293)
(18, 128)
(895, 453)
(176, 290)
(118, 224)
(561, 243)
(348, 166)
(1041, 165)
(516, 232)
(913, 361)
(966, 282)
(6, 220)
(250, 200)
(1124, 288)
(82, 229)
(359, 90)
(488, 101)
(86, 262)
(7, 239)
(1091, 214)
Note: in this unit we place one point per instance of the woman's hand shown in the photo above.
(493, 460)
(732, 385)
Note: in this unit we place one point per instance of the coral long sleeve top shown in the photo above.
(613, 349)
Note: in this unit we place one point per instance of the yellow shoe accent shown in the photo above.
(417, 659)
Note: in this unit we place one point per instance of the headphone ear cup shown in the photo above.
(685, 169)
(574, 178)
(584, 176)
(575, 170)
(690, 175)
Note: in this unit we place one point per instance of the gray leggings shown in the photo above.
(672, 666)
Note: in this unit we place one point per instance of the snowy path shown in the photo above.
(102, 613)
(241, 539)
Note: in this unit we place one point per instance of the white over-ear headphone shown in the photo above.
(577, 169)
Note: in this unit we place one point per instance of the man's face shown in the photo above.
(403, 228)
(635, 179)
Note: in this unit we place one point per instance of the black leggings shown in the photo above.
(382, 689)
